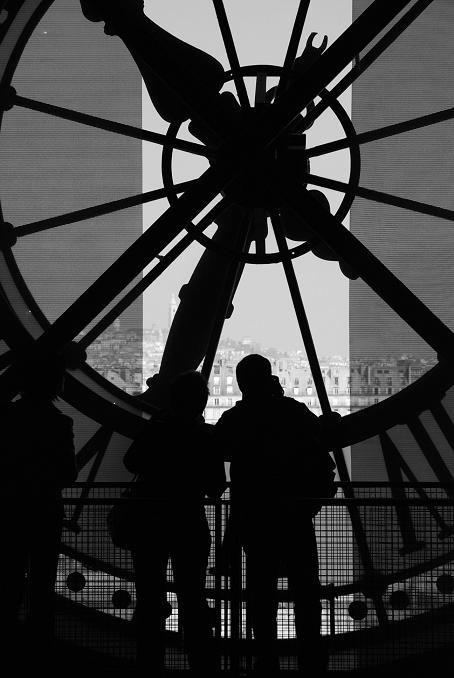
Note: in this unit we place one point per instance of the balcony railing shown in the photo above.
(386, 557)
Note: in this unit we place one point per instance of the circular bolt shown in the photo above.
(445, 583)
(121, 599)
(75, 581)
(357, 610)
(399, 600)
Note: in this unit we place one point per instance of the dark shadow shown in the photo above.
(38, 460)
(177, 466)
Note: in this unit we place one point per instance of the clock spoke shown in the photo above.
(332, 62)
(433, 456)
(94, 446)
(382, 197)
(231, 52)
(395, 467)
(95, 449)
(183, 81)
(301, 315)
(99, 210)
(151, 276)
(232, 280)
(248, 163)
(111, 126)
(444, 422)
(382, 132)
(398, 297)
(293, 44)
(123, 271)
(6, 359)
(371, 56)
(370, 575)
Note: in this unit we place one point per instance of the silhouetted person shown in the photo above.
(271, 442)
(177, 467)
(37, 462)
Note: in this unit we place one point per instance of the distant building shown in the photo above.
(295, 378)
(129, 357)
(118, 356)
(375, 380)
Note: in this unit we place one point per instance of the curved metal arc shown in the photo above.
(355, 154)
(382, 197)
(379, 278)
(416, 398)
(210, 243)
(401, 575)
(383, 132)
(111, 126)
(327, 591)
(339, 55)
(99, 210)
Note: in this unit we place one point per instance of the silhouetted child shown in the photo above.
(276, 459)
(177, 467)
(37, 462)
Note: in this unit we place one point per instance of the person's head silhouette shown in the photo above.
(188, 395)
(254, 377)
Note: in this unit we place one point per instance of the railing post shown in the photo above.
(332, 611)
(218, 508)
(235, 603)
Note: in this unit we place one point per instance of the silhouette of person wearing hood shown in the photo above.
(273, 444)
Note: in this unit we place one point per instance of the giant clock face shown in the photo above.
(254, 125)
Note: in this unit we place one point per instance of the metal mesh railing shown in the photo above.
(387, 586)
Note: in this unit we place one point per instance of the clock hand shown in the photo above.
(182, 81)
(130, 264)
(244, 153)
(198, 311)
(190, 302)
(172, 68)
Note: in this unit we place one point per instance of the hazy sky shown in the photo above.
(263, 309)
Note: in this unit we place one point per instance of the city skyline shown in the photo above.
(128, 357)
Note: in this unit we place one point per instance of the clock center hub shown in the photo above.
(263, 182)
